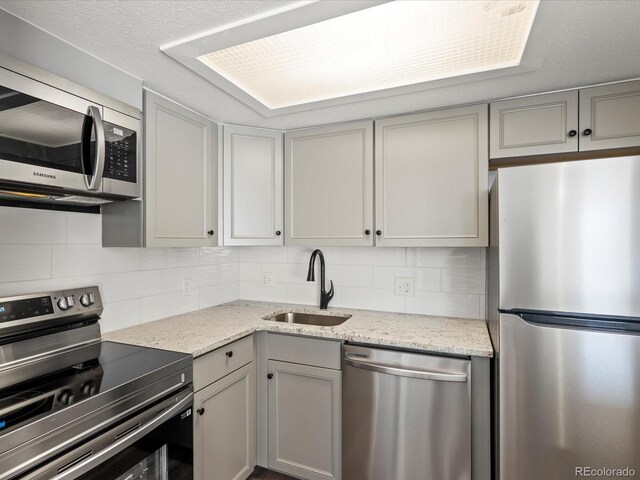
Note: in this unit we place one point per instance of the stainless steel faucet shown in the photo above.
(325, 297)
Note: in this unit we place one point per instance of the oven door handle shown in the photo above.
(76, 468)
(94, 181)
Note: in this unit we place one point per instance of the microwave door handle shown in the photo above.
(96, 179)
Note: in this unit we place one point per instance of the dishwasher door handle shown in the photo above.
(405, 372)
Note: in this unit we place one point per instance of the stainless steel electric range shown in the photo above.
(74, 406)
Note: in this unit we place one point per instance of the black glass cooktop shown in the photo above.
(108, 366)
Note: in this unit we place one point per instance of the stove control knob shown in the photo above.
(71, 301)
(84, 299)
(88, 388)
(66, 397)
(63, 303)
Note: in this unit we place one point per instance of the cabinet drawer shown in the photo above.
(306, 351)
(215, 365)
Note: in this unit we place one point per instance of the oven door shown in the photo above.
(156, 444)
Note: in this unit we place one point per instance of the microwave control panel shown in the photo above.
(120, 154)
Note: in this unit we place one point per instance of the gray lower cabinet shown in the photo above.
(225, 435)
(225, 406)
(305, 415)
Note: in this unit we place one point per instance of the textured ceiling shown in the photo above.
(599, 42)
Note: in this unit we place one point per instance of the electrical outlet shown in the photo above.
(404, 286)
(268, 279)
(186, 287)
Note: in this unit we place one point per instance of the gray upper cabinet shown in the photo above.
(535, 125)
(225, 428)
(431, 178)
(180, 175)
(594, 118)
(305, 420)
(329, 185)
(610, 116)
(253, 189)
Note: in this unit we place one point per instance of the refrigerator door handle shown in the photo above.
(594, 323)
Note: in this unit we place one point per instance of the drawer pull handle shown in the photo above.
(229, 354)
(587, 132)
(200, 411)
(572, 133)
(270, 376)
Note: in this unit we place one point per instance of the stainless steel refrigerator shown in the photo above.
(564, 317)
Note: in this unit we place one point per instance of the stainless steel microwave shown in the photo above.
(58, 147)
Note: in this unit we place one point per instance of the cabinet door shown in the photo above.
(535, 125)
(252, 186)
(225, 433)
(431, 178)
(180, 178)
(305, 437)
(329, 185)
(610, 116)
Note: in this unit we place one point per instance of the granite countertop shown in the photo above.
(205, 330)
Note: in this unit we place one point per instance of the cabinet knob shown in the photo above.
(367, 232)
(278, 232)
(229, 354)
(378, 232)
(587, 132)
(270, 376)
(572, 133)
(210, 232)
(200, 411)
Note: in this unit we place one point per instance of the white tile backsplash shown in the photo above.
(157, 258)
(463, 280)
(43, 227)
(445, 257)
(217, 294)
(119, 315)
(262, 254)
(45, 250)
(372, 299)
(445, 304)
(447, 281)
(255, 291)
(70, 260)
(25, 262)
(374, 256)
(156, 307)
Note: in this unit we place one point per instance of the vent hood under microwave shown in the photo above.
(59, 147)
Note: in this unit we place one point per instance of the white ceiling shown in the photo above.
(599, 42)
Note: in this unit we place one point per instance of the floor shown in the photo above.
(263, 474)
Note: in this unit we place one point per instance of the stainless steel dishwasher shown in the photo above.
(406, 416)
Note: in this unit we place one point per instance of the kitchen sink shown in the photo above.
(310, 319)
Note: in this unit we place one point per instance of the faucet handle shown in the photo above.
(330, 292)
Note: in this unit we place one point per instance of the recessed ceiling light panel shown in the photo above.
(311, 54)
(390, 45)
